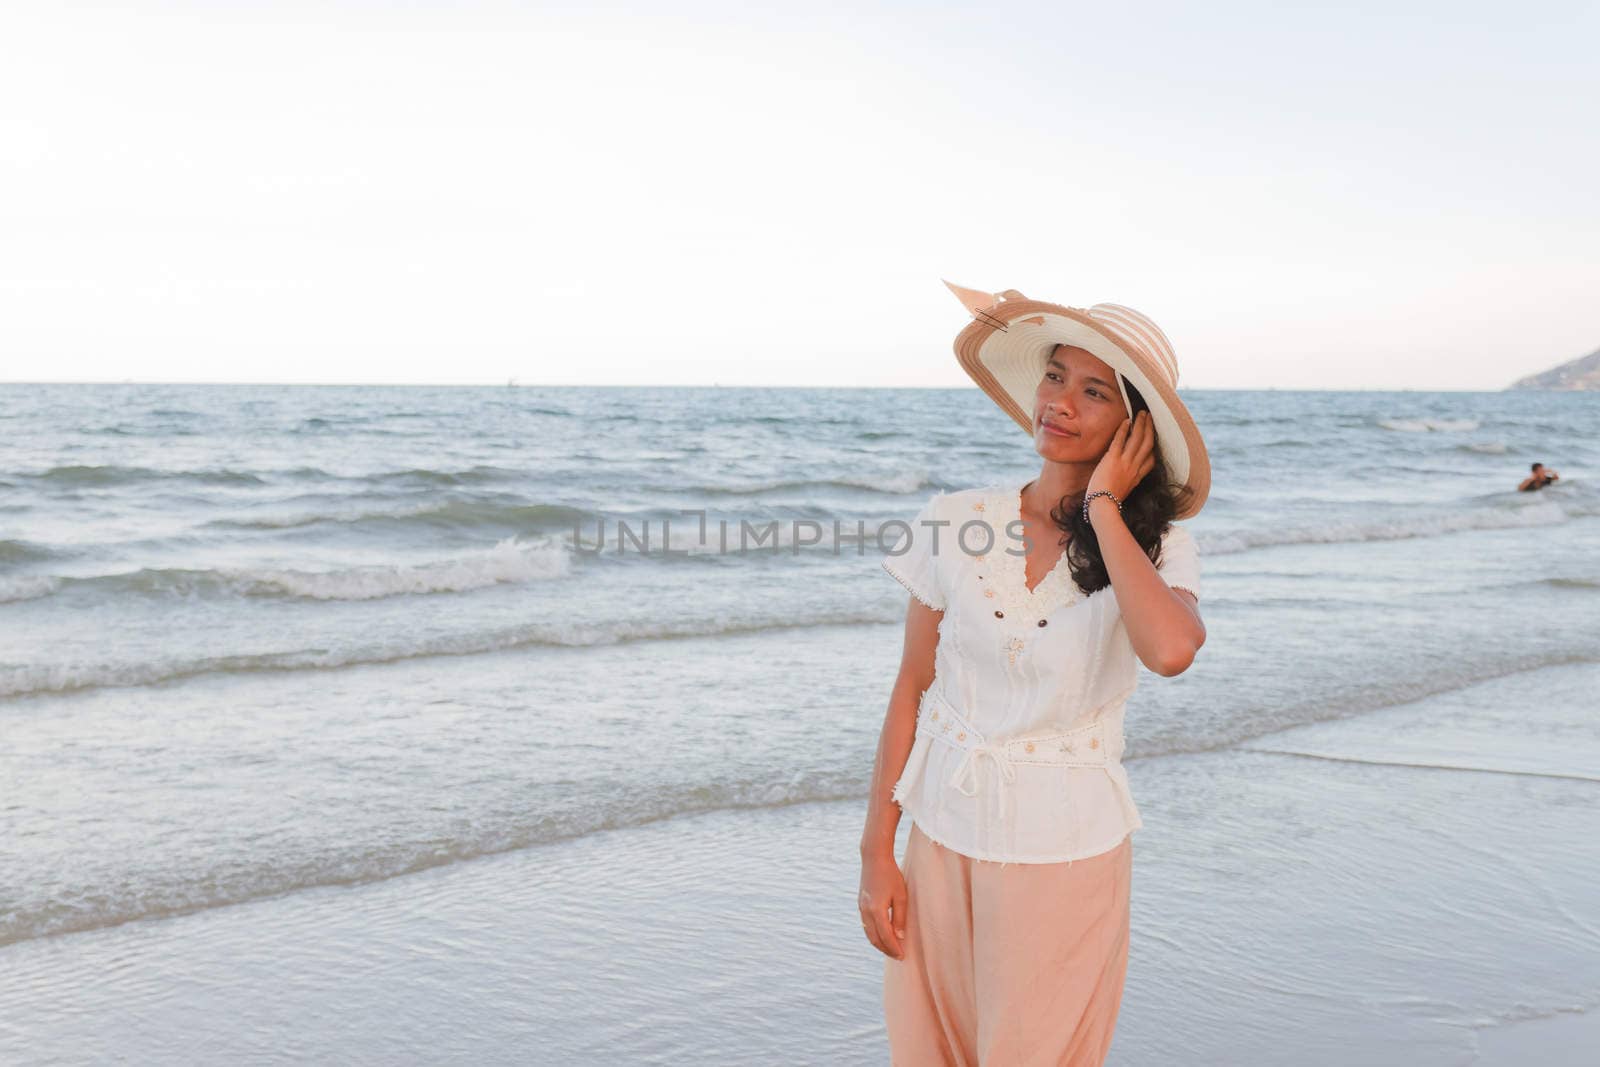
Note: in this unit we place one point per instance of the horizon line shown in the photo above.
(720, 385)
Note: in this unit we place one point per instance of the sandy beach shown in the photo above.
(1366, 891)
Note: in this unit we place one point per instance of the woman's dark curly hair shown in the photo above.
(1147, 511)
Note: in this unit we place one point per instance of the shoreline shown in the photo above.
(1285, 909)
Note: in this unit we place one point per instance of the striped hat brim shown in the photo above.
(1005, 347)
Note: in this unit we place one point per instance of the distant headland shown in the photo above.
(1580, 373)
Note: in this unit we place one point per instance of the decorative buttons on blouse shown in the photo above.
(1002, 577)
(1011, 587)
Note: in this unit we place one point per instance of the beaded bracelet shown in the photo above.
(1100, 492)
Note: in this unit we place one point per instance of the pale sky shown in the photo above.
(1368, 196)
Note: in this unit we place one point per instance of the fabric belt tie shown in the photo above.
(1085, 746)
(966, 772)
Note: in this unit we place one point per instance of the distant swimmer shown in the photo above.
(1541, 477)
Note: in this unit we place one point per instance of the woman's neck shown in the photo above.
(1055, 481)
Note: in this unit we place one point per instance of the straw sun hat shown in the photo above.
(1005, 346)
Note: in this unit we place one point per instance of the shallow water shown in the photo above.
(1379, 903)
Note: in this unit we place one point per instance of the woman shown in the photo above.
(1007, 933)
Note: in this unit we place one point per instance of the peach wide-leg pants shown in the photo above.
(1020, 965)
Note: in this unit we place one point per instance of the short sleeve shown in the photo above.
(914, 557)
(1180, 560)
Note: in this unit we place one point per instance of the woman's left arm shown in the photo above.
(1163, 623)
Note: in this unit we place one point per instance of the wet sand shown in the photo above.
(1412, 886)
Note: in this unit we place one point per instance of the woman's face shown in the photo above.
(1076, 408)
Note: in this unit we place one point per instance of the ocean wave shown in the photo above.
(24, 552)
(1255, 418)
(1433, 524)
(87, 907)
(1487, 448)
(36, 680)
(508, 562)
(482, 474)
(1358, 698)
(27, 587)
(895, 484)
(453, 514)
(1425, 764)
(113, 476)
(479, 474)
(1571, 583)
(509, 512)
(1429, 425)
(90, 907)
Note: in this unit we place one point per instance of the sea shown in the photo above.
(522, 724)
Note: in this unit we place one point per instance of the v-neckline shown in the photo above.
(1022, 571)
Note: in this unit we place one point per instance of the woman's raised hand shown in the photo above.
(883, 903)
(1129, 457)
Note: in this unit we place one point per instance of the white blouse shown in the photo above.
(1018, 751)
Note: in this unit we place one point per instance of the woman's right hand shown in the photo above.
(883, 902)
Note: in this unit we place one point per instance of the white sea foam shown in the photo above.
(1431, 524)
(1429, 425)
(904, 482)
(508, 561)
(348, 513)
(154, 892)
(900, 482)
(27, 587)
(31, 679)
(161, 891)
